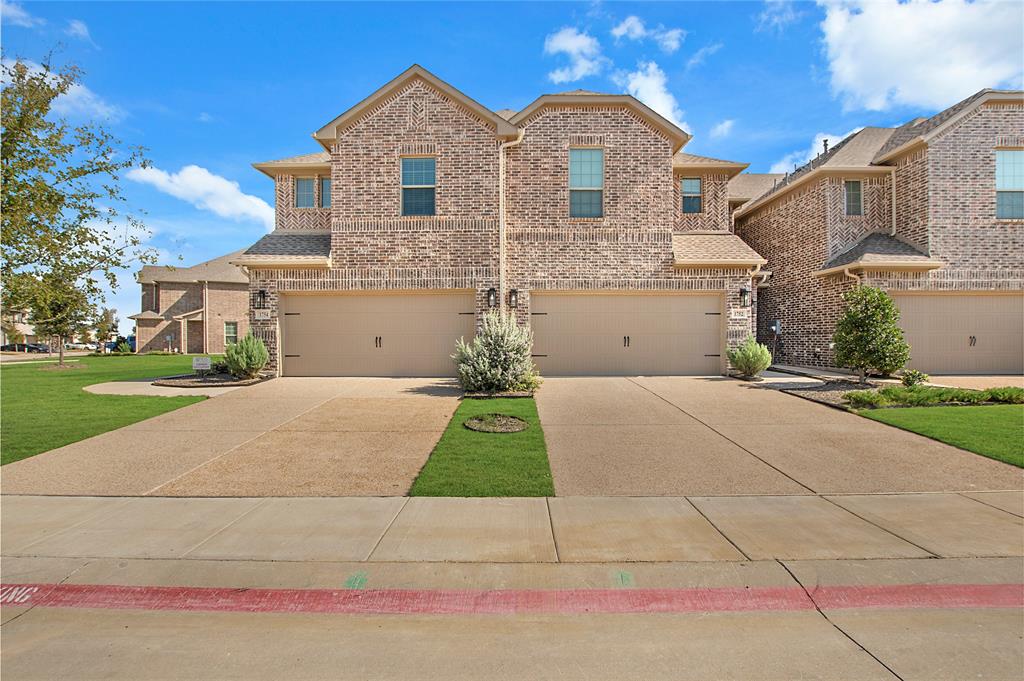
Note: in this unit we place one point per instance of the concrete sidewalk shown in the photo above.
(518, 530)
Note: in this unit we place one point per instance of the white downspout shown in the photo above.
(892, 194)
(501, 216)
(851, 275)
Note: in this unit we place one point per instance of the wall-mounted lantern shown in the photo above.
(745, 297)
(513, 298)
(492, 297)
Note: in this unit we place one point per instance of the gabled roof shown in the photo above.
(879, 251)
(713, 249)
(921, 131)
(693, 162)
(853, 155)
(219, 270)
(320, 160)
(329, 133)
(748, 186)
(676, 135)
(288, 248)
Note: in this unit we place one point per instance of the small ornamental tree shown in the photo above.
(247, 357)
(868, 336)
(499, 359)
(750, 358)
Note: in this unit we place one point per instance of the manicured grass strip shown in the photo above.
(43, 409)
(995, 431)
(467, 463)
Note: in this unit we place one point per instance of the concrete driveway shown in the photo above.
(711, 436)
(286, 437)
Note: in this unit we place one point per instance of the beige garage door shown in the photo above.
(627, 335)
(373, 335)
(964, 334)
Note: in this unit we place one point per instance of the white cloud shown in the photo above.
(633, 28)
(78, 29)
(722, 129)
(207, 191)
(649, 84)
(777, 15)
(79, 101)
(13, 13)
(583, 50)
(204, 117)
(920, 53)
(702, 54)
(798, 158)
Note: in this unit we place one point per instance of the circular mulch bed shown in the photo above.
(207, 381)
(58, 367)
(496, 423)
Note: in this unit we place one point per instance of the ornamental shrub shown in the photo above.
(865, 399)
(912, 377)
(750, 358)
(1006, 395)
(499, 358)
(247, 357)
(868, 336)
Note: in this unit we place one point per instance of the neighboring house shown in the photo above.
(197, 309)
(18, 321)
(425, 209)
(932, 212)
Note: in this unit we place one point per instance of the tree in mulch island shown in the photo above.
(247, 357)
(499, 359)
(868, 336)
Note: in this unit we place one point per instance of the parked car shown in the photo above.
(76, 346)
(24, 347)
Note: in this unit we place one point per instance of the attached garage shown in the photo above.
(627, 334)
(964, 333)
(409, 334)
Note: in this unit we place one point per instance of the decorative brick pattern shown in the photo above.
(287, 216)
(715, 203)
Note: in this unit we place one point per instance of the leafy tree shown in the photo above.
(11, 332)
(105, 325)
(58, 309)
(868, 335)
(63, 215)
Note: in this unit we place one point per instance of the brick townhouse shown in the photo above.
(424, 209)
(197, 309)
(931, 211)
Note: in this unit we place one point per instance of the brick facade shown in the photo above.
(374, 248)
(224, 302)
(945, 206)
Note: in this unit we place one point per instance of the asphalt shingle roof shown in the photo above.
(749, 186)
(218, 270)
(282, 243)
(710, 247)
(878, 247)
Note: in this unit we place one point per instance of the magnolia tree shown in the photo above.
(499, 358)
(868, 336)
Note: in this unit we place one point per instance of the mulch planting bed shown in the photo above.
(496, 423)
(207, 381)
(829, 393)
(487, 396)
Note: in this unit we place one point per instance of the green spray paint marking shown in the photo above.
(356, 581)
(623, 579)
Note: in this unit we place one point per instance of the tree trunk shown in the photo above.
(60, 345)
(860, 371)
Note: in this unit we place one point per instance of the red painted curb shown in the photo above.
(507, 602)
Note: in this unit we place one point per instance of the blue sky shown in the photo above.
(210, 88)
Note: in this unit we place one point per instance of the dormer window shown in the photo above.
(1010, 184)
(419, 185)
(854, 197)
(586, 183)
(304, 189)
(693, 202)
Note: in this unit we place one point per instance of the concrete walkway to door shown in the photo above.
(285, 437)
(719, 436)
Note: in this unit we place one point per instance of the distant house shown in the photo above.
(198, 309)
(17, 320)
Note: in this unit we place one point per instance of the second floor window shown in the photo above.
(690, 189)
(1010, 184)
(854, 198)
(419, 186)
(586, 183)
(325, 192)
(304, 192)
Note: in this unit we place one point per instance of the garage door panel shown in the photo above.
(581, 334)
(940, 328)
(336, 335)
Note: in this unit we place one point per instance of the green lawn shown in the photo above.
(42, 409)
(995, 431)
(467, 463)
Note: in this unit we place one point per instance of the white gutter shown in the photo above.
(855, 277)
(501, 216)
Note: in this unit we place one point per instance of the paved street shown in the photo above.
(898, 586)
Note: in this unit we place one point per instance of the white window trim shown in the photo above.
(403, 186)
(226, 332)
(860, 199)
(683, 195)
(295, 192)
(318, 193)
(586, 189)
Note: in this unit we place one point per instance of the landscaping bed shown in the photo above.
(468, 463)
(830, 393)
(219, 380)
(930, 396)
